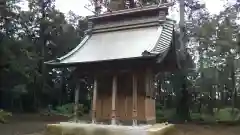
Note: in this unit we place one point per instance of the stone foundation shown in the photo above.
(128, 122)
(98, 129)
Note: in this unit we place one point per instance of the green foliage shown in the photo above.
(68, 109)
(4, 115)
(27, 39)
(221, 115)
(208, 118)
(163, 115)
(196, 116)
(228, 114)
(65, 110)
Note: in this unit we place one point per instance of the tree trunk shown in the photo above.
(211, 101)
(183, 104)
(35, 95)
(233, 85)
(76, 101)
(44, 41)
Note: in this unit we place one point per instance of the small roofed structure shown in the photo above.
(124, 51)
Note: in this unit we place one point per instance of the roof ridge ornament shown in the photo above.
(132, 11)
(153, 15)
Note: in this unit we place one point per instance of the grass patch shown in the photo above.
(4, 115)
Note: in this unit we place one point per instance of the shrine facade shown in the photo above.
(124, 51)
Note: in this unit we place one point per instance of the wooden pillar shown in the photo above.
(126, 106)
(114, 94)
(94, 100)
(134, 96)
(76, 101)
(147, 82)
(147, 93)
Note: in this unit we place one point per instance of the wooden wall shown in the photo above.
(124, 98)
(150, 108)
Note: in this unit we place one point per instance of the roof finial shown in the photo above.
(90, 10)
(115, 5)
(165, 3)
(98, 5)
(138, 3)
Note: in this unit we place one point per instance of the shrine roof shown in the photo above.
(122, 39)
(125, 12)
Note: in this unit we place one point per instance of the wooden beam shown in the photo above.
(94, 100)
(114, 94)
(134, 96)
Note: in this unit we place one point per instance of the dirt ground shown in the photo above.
(29, 124)
(188, 129)
(22, 124)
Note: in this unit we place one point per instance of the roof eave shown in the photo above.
(165, 38)
(58, 60)
(57, 63)
(139, 25)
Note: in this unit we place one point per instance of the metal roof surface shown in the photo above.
(112, 45)
(121, 44)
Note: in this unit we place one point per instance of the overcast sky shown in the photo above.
(77, 6)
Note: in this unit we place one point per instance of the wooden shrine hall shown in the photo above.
(124, 51)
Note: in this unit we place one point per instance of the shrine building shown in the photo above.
(124, 51)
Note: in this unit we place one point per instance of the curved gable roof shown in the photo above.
(123, 39)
